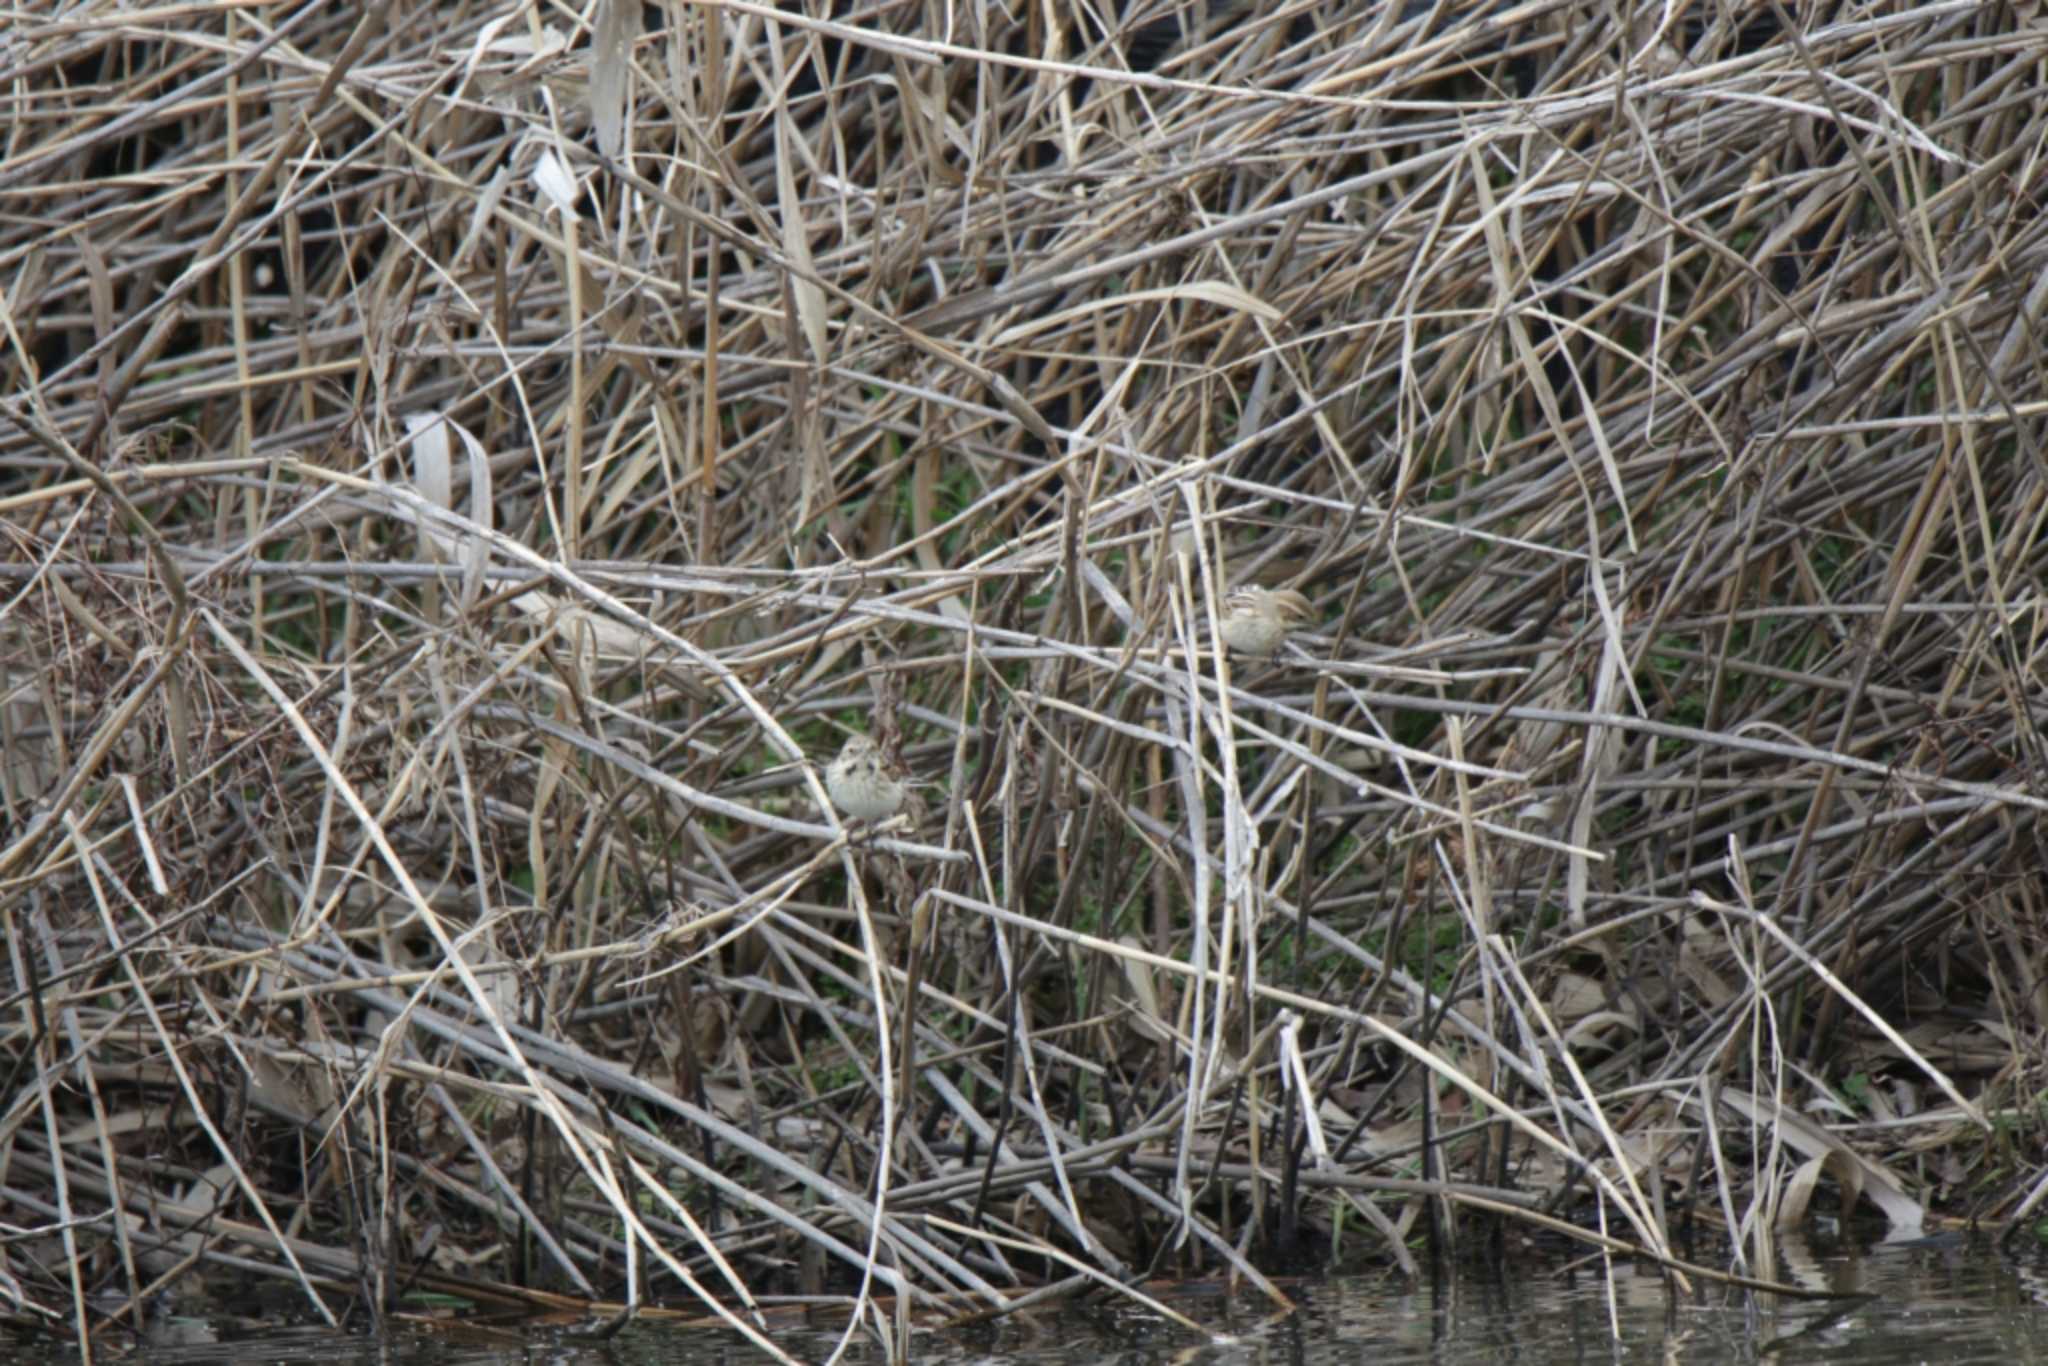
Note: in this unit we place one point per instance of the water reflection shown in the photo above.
(1952, 1300)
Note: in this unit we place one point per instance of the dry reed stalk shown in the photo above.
(463, 472)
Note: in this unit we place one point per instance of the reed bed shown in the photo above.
(466, 466)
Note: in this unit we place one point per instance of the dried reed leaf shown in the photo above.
(1642, 401)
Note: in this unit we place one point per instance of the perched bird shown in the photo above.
(1256, 621)
(863, 783)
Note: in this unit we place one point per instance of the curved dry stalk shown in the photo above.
(441, 553)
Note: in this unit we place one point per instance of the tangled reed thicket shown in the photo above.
(465, 465)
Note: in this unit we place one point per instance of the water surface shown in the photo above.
(1955, 1303)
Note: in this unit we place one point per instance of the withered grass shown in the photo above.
(464, 467)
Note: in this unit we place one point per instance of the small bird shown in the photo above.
(863, 783)
(1256, 621)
